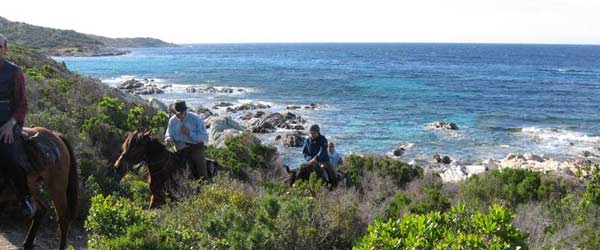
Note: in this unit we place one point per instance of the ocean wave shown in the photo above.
(567, 71)
(115, 81)
(563, 136)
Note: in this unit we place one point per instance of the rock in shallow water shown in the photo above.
(442, 125)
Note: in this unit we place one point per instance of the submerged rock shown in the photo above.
(316, 106)
(398, 151)
(441, 125)
(441, 159)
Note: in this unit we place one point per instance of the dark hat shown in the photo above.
(180, 106)
(314, 128)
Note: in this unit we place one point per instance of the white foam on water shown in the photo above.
(560, 140)
(115, 81)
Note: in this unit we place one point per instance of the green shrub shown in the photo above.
(512, 186)
(458, 229)
(592, 192)
(110, 217)
(243, 152)
(399, 171)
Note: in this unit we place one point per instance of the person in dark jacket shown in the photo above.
(13, 107)
(315, 154)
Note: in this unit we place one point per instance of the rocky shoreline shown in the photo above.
(89, 52)
(226, 120)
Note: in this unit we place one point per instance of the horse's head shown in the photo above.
(133, 150)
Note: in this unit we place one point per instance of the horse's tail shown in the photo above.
(73, 185)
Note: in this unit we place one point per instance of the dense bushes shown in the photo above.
(227, 215)
(458, 229)
(402, 173)
(512, 186)
(243, 152)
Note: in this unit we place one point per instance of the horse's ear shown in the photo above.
(137, 130)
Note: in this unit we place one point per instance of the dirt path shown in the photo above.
(13, 231)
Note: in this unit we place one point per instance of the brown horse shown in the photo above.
(52, 162)
(305, 170)
(164, 166)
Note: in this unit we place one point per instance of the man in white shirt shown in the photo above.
(187, 132)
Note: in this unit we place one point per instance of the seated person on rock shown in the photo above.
(187, 132)
(315, 154)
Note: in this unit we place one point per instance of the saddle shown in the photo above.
(35, 151)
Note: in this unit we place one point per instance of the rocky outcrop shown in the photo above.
(131, 84)
(137, 87)
(202, 111)
(252, 106)
(316, 106)
(293, 139)
(222, 104)
(441, 125)
(398, 151)
(158, 105)
(218, 125)
(286, 120)
(213, 90)
(572, 166)
(442, 159)
(263, 127)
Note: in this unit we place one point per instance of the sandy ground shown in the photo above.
(13, 231)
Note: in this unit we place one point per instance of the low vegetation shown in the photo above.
(387, 204)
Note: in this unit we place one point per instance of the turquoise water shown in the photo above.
(505, 98)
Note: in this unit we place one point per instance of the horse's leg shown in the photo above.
(35, 222)
(60, 205)
(157, 190)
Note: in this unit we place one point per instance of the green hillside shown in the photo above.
(387, 204)
(54, 42)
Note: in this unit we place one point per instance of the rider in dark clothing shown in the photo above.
(13, 107)
(315, 154)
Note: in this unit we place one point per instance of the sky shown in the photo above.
(250, 21)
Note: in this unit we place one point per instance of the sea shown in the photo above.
(505, 98)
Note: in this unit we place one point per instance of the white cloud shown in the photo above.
(513, 21)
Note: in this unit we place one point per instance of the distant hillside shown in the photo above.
(136, 42)
(69, 42)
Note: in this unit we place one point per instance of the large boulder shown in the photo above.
(293, 139)
(263, 127)
(223, 104)
(131, 84)
(442, 125)
(202, 111)
(398, 151)
(219, 139)
(218, 125)
(158, 105)
(442, 159)
(251, 106)
(276, 119)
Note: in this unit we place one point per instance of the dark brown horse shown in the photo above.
(164, 166)
(52, 162)
(305, 170)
